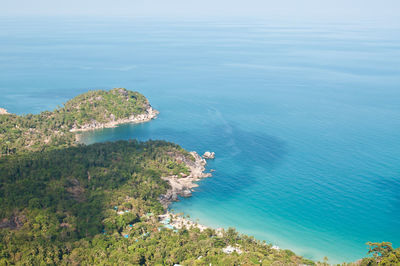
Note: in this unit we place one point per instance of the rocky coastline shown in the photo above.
(182, 185)
(136, 119)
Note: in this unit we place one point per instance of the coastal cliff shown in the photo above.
(182, 185)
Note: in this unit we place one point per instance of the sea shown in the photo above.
(304, 117)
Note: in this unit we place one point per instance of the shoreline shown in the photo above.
(183, 186)
(178, 221)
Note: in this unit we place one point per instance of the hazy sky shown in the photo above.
(297, 9)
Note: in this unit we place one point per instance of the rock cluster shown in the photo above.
(209, 155)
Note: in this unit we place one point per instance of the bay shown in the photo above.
(304, 118)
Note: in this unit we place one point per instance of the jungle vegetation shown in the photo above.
(98, 204)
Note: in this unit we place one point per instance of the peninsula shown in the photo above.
(67, 203)
(102, 109)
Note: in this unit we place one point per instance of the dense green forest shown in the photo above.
(91, 205)
(48, 130)
(66, 203)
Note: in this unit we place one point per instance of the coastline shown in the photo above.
(180, 185)
(183, 185)
(135, 119)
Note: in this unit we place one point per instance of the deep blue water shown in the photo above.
(304, 118)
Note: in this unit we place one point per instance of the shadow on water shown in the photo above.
(241, 155)
(243, 158)
(390, 187)
(229, 142)
(252, 147)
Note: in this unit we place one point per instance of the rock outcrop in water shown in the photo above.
(3, 111)
(183, 185)
(209, 155)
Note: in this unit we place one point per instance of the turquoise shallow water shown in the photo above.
(304, 119)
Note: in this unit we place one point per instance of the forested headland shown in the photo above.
(49, 130)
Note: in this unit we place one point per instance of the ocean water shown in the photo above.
(304, 118)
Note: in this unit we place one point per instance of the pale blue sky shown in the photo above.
(297, 9)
